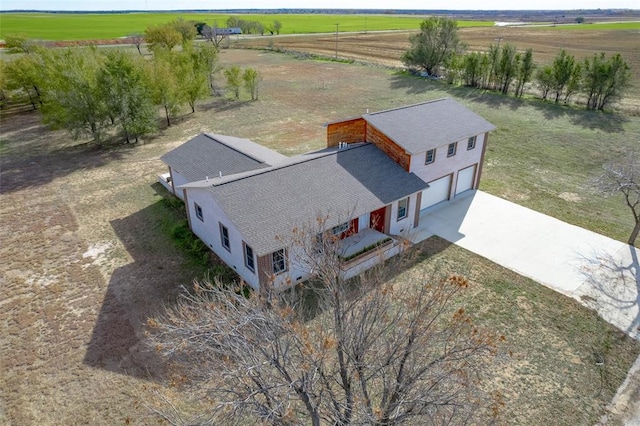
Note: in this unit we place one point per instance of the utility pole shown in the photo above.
(337, 25)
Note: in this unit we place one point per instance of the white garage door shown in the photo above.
(438, 191)
(465, 179)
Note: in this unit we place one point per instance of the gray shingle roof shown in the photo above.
(340, 183)
(209, 154)
(419, 128)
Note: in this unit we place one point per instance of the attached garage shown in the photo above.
(466, 177)
(438, 191)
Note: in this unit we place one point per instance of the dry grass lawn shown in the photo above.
(546, 42)
(86, 261)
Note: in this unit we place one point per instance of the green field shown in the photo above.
(58, 26)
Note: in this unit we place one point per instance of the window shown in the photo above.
(337, 230)
(403, 208)
(451, 151)
(278, 261)
(431, 156)
(198, 211)
(224, 237)
(248, 258)
(471, 143)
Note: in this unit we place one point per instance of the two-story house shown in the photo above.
(368, 186)
(440, 141)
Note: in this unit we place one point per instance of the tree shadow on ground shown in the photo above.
(138, 291)
(593, 120)
(612, 287)
(223, 105)
(33, 155)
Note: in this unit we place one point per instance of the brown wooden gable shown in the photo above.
(265, 274)
(349, 131)
(389, 147)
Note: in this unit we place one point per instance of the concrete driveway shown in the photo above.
(601, 273)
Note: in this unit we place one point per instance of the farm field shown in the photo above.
(58, 26)
(386, 48)
(103, 26)
(87, 256)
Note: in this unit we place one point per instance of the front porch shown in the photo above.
(165, 180)
(359, 243)
(364, 250)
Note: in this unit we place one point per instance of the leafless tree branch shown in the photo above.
(623, 176)
(378, 351)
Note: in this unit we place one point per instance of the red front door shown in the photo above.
(376, 219)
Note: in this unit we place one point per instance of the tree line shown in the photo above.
(437, 51)
(254, 27)
(93, 92)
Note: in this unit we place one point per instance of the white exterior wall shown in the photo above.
(209, 232)
(403, 226)
(178, 180)
(297, 270)
(444, 165)
(363, 221)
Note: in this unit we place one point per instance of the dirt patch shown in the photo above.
(572, 197)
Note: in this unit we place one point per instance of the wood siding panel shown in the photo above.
(265, 274)
(349, 131)
(387, 219)
(389, 147)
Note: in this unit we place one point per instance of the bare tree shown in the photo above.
(376, 351)
(213, 34)
(624, 177)
(136, 39)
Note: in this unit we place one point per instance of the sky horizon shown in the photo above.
(169, 5)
